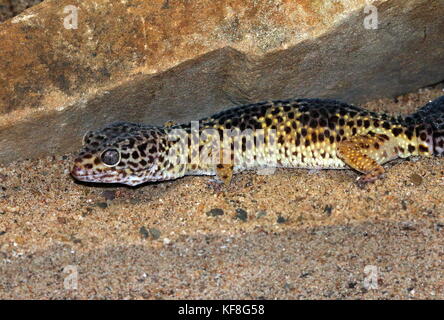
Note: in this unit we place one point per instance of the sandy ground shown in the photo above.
(296, 234)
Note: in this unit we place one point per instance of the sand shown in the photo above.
(297, 234)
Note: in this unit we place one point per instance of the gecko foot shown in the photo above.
(362, 181)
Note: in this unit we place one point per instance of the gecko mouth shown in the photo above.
(107, 176)
(92, 176)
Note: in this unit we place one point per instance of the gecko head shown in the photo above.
(122, 152)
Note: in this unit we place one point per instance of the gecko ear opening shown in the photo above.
(86, 137)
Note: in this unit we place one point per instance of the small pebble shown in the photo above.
(134, 201)
(102, 205)
(297, 199)
(416, 179)
(288, 286)
(351, 285)
(328, 209)
(241, 214)
(411, 290)
(281, 219)
(74, 239)
(144, 232)
(109, 194)
(61, 220)
(155, 233)
(260, 214)
(215, 212)
(404, 204)
(408, 226)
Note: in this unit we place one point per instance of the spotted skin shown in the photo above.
(299, 133)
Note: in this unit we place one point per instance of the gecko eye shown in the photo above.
(110, 157)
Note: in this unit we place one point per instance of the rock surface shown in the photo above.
(152, 61)
(11, 8)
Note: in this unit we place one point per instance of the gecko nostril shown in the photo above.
(75, 171)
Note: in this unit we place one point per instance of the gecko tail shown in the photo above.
(431, 117)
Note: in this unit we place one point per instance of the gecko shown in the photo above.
(293, 133)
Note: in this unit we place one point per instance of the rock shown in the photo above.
(155, 233)
(288, 286)
(74, 239)
(260, 214)
(241, 214)
(102, 205)
(62, 220)
(404, 204)
(146, 62)
(281, 219)
(215, 212)
(351, 284)
(328, 209)
(408, 226)
(109, 195)
(416, 179)
(305, 274)
(144, 232)
(11, 8)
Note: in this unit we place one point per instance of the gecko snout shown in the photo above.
(76, 171)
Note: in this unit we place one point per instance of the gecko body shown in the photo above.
(295, 133)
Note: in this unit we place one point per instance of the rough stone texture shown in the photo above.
(153, 61)
(11, 8)
(5, 10)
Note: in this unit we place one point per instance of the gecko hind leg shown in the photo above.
(360, 153)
